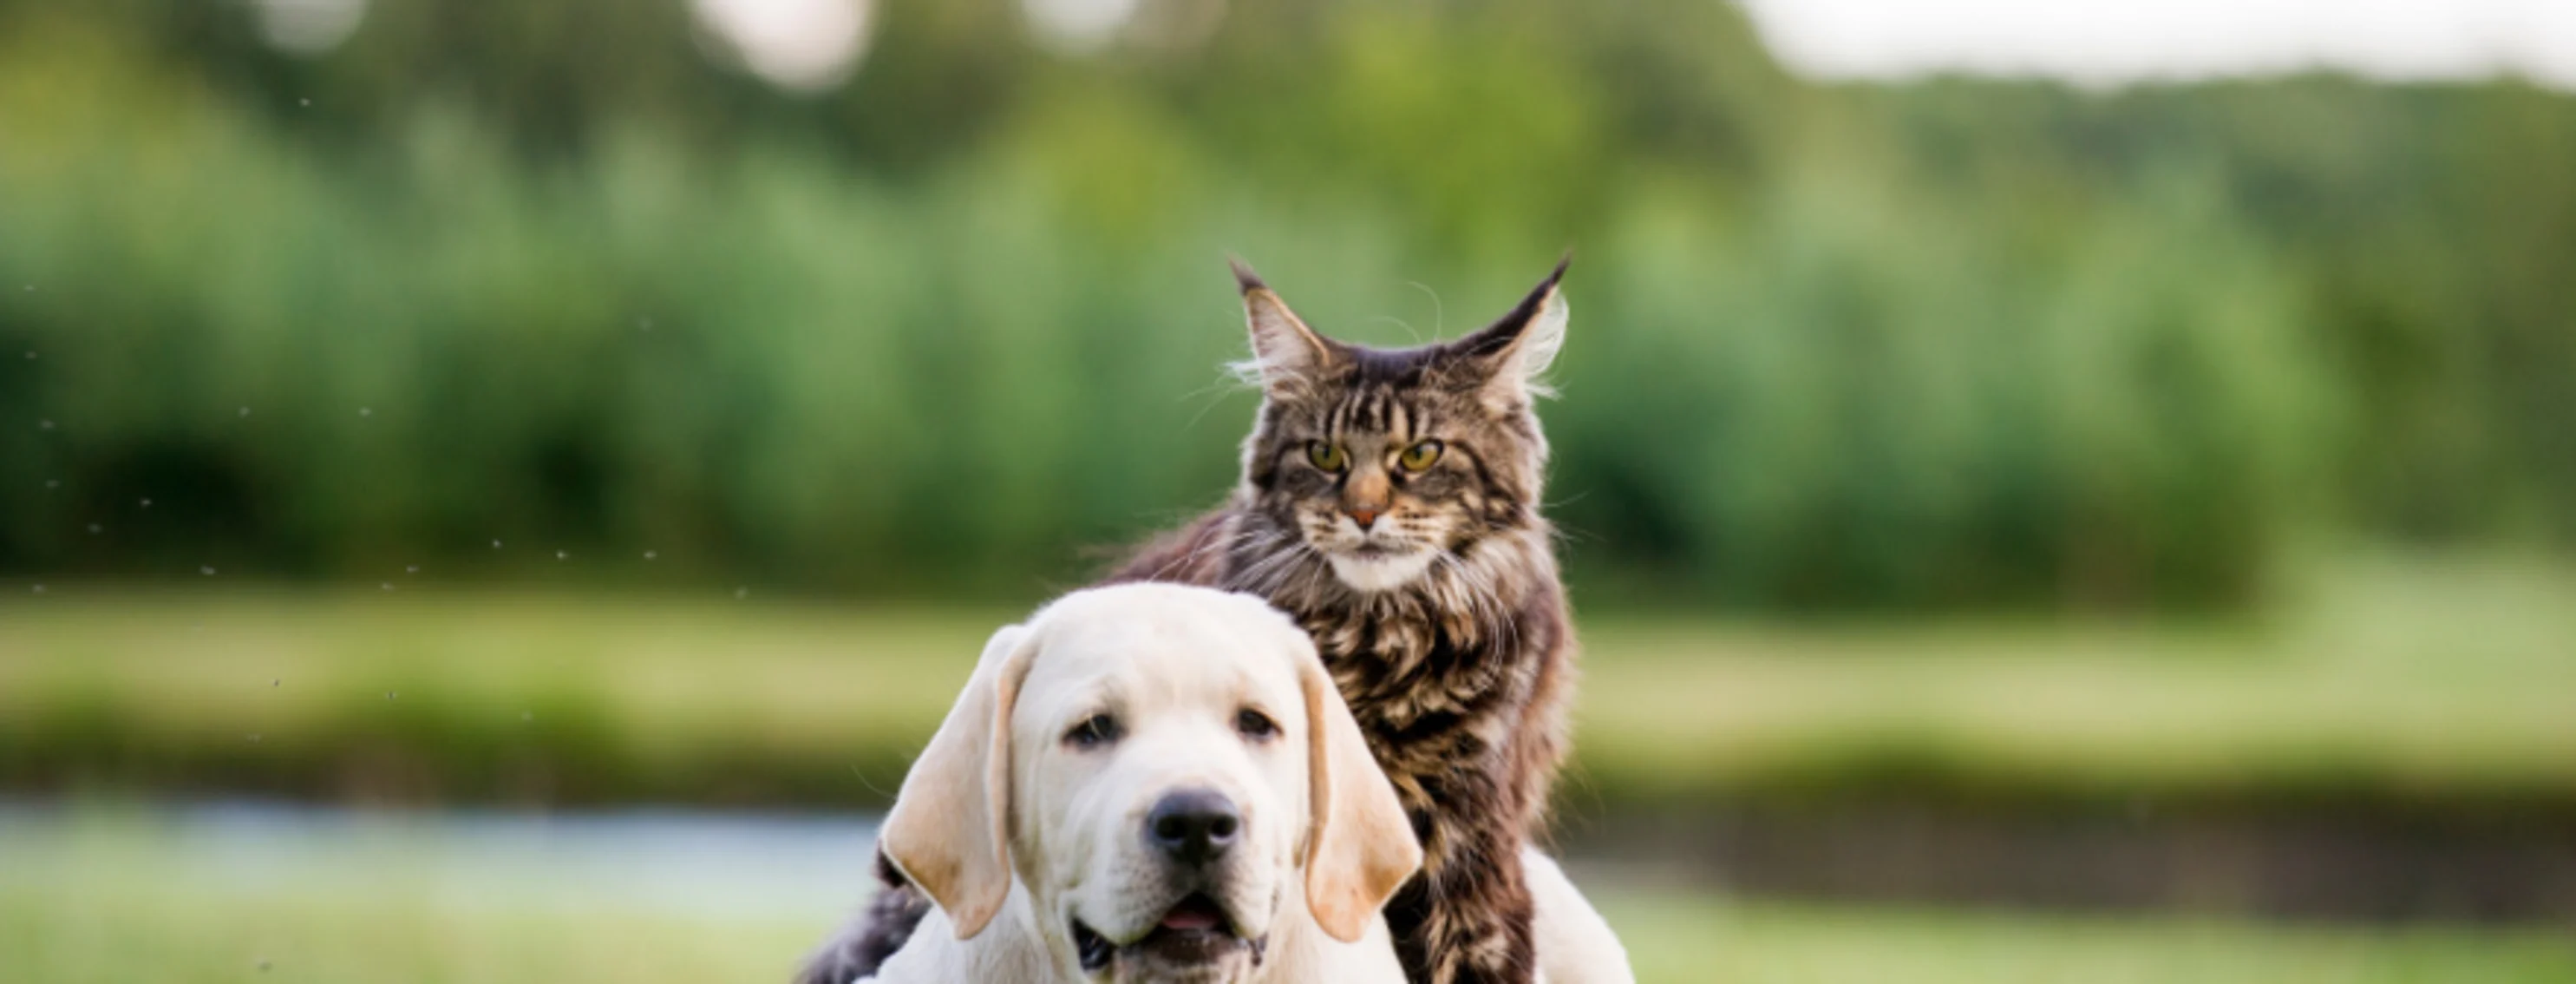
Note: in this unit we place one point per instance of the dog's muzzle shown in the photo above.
(1194, 933)
(1193, 831)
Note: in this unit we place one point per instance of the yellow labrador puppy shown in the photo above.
(1157, 783)
(1149, 783)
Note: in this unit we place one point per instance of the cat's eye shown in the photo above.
(1420, 456)
(1255, 725)
(1093, 732)
(1326, 456)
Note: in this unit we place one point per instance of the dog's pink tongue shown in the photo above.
(1189, 917)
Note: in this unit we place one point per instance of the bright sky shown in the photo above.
(814, 44)
(798, 44)
(2107, 42)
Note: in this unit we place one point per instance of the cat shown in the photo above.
(1390, 503)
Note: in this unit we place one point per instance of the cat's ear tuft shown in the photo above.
(1287, 356)
(1515, 351)
(1244, 279)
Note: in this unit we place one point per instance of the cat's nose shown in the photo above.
(1364, 516)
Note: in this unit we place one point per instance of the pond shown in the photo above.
(695, 864)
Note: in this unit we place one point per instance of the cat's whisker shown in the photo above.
(1187, 558)
(1259, 576)
(1438, 316)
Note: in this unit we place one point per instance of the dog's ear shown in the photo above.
(949, 830)
(1360, 847)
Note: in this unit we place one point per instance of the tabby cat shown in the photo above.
(1389, 502)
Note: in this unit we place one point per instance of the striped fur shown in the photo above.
(1459, 674)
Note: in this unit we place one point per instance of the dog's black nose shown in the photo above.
(1193, 826)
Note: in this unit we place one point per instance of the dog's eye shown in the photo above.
(1093, 732)
(1255, 725)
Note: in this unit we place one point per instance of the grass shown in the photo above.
(85, 937)
(2413, 681)
(108, 906)
(181, 941)
(1694, 939)
(2386, 681)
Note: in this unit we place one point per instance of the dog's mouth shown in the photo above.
(1195, 932)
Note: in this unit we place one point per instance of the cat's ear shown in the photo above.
(1287, 356)
(1511, 355)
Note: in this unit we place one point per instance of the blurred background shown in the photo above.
(498, 492)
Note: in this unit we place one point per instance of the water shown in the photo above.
(697, 864)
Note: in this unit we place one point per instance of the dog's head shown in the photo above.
(1165, 770)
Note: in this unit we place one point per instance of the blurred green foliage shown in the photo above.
(549, 276)
(2396, 689)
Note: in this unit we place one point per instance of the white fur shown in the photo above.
(1177, 664)
(1383, 572)
(1407, 544)
(1575, 945)
(1537, 347)
(1015, 949)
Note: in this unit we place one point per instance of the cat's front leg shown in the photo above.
(1469, 918)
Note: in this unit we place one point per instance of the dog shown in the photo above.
(1158, 783)
(1149, 783)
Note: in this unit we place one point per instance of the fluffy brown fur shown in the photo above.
(1429, 586)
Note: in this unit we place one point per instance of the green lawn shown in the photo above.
(2414, 681)
(107, 909)
(95, 939)
(1679, 939)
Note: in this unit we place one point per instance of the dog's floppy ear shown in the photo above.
(1360, 846)
(949, 830)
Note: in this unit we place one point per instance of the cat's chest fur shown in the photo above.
(1409, 666)
(1435, 675)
